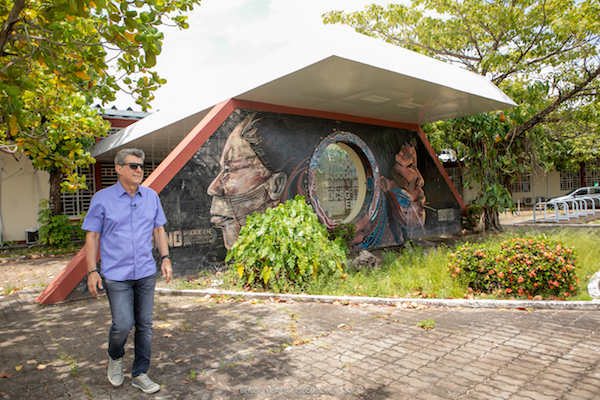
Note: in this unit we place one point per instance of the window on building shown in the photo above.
(76, 203)
(570, 180)
(455, 177)
(342, 170)
(592, 173)
(113, 130)
(522, 184)
(79, 202)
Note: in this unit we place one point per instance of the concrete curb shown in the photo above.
(593, 305)
(528, 224)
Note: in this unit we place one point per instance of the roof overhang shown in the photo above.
(348, 74)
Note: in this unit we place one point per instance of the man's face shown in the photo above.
(408, 177)
(128, 176)
(242, 187)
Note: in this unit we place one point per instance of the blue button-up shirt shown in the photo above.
(125, 225)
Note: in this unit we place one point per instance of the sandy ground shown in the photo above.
(29, 273)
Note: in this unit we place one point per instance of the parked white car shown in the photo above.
(592, 191)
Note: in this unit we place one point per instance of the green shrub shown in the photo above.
(471, 219)
(56, 230)
(79, 233)
(285, 249)
(346, 232)
(523, 267)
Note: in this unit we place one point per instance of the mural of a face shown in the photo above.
(408, 177)
(243, 186)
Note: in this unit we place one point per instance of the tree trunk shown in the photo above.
(54, 198)
(491, 220)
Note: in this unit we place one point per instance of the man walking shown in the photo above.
(122, 219)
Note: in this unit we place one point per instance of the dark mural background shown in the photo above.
(267, 160)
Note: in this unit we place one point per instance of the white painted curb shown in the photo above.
(593, 305)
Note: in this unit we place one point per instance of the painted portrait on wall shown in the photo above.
(369, 176)
(381, 179)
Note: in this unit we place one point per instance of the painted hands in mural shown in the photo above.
(403, 205)
(408, 189)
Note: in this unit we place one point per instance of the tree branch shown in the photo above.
(540, 115)
(13, 18)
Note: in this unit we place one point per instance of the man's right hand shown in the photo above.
(94, 282)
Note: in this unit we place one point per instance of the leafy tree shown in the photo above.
(541, 53)
(57, 57)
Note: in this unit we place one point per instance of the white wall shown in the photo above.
(544, 186)
(21, 189)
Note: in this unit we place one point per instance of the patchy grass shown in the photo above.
(422, 273)
(35, 251)
(411, 272)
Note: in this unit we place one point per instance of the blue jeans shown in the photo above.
(131, 304)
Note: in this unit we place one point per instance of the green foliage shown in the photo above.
(523, 267)
(542, 54)
(56, 230)
(428, 325)
(79, 233)
(409, 273)
(58, 57)
(346, 233)
(285, 249)
(472, 218)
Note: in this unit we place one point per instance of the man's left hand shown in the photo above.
(166, 269)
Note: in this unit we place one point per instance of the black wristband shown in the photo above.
(94, 270)
(166, 256)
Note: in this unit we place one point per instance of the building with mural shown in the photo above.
(339, 125)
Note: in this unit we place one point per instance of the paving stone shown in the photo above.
(472, 353)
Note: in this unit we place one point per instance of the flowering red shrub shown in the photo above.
(522, 267)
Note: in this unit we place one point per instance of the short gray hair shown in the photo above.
(120, 157)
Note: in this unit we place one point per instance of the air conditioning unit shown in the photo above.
(31, 235)
(528, 201)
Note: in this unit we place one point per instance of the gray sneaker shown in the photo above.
(115, 371)
(145, 384)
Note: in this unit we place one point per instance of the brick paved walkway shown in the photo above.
(205, 349)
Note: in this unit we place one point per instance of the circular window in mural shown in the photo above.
(341, 178)
(340, 182)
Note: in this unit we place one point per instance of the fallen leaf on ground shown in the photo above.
(41, 366)
(176, 361)
(5, 375)
(31, 362)
(167, 335)
(163, 325)
(18, 367)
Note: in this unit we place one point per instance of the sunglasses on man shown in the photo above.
(134, 166)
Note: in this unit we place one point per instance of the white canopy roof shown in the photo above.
(343, 73)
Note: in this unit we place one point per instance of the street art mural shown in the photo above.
(381, 179)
